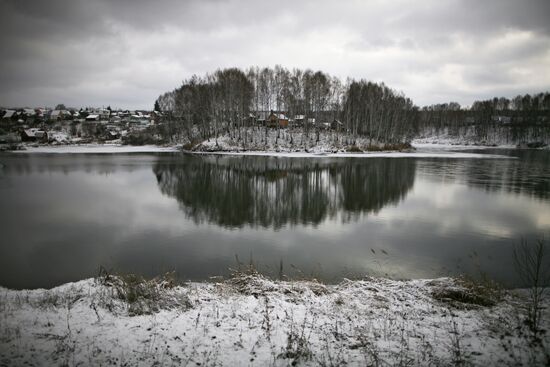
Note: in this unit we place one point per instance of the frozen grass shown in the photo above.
(252, 320)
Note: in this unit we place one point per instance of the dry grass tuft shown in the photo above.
(464, 293)
(143, 296)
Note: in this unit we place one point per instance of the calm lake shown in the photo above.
(62, 216)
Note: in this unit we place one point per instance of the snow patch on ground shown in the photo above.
(59, 137)
(284, 140)
(289, 143)
(445, 142)
(250, 320)
(98, 148)
(504, 136)
(426, 154)
(445, 146)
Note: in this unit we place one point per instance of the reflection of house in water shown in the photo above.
(273, 192)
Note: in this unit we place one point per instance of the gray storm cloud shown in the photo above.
(125, 53)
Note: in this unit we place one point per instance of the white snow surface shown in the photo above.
(98, 148)
(453, 143)
(443, 153)
(295, 144)
(59, 137)
(285, 143)
(250, 320)
(495, 136)
(423, 151)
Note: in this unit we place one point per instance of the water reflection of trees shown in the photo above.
(268, 191)
(529, 174)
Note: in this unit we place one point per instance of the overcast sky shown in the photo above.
(125, 53)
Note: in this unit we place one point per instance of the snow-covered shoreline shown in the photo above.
(251, 320)
(98, 148)
(389, 154)
(455, 142)
(422, 150)
(423, 145)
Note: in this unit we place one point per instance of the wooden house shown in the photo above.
(277, 120)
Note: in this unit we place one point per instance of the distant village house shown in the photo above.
(92, 117)
(277, 120)
(34, 135)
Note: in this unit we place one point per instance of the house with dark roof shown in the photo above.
(35, 135)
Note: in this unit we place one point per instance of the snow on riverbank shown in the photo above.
(420, 145)
(99, 148)
(288, 143)
(250, 320)
(424, 151)
(454, 143)
(500, 137)
(412, 154)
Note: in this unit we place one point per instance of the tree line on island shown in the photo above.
(260, 102)
(230, 101)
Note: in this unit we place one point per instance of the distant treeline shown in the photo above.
(229, 101)
(522, 119)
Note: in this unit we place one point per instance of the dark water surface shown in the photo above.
(64, 215)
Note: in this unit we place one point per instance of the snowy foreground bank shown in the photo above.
(249, 320)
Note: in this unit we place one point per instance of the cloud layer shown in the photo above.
(124, 53)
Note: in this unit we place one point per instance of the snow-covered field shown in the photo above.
(250, 320)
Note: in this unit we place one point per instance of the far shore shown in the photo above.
(420, 150)
(97, 148)
(383, 154)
